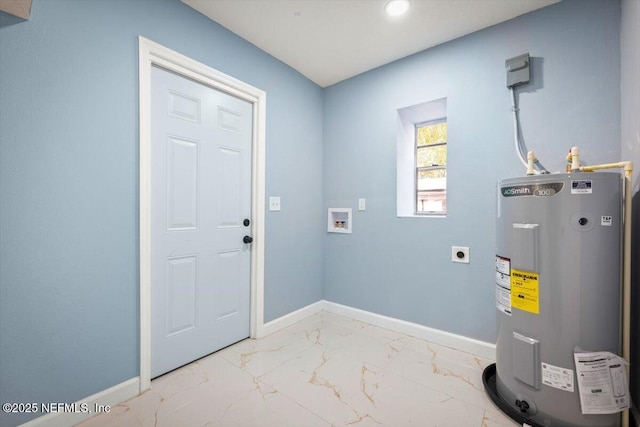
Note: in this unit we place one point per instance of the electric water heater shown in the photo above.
(558, 289)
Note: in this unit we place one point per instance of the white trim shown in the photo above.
(291, 318)
(421, 216)
(151, 53)
(112, 396)
(458, 342)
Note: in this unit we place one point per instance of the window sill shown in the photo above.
(421, 216)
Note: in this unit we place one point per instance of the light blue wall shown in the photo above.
(69, 187)
(69, 174)
(401, 267)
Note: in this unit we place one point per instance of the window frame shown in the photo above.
(418, 169)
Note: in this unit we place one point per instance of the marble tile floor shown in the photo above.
(325, 370)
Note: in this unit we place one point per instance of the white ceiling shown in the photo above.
(332, 40)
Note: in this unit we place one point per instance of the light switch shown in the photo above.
(274, 203)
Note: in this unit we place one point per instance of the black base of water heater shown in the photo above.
(489, 381)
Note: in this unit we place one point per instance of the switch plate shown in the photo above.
(362, 204)
(274, 203)
(460, 254)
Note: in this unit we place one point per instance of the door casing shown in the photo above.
(151, 53)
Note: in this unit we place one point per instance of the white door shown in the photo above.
(200, 214)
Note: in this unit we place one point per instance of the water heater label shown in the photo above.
(525, 291)
(503, 284)
(581, 187)
(503, 300)
(538, 190)
(557, 377)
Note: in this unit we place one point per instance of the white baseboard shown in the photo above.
(459, 342)
(112, 396)
(289, 319)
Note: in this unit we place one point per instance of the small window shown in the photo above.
(421, 157)
(431, 167)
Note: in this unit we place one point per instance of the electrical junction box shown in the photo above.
(517, 70)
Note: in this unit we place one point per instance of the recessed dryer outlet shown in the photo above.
(460, 254)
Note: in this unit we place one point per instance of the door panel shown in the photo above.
(181, 284)
(184, 107)
(200, 194)
(229, 297)
(230, 203)
(182, 184)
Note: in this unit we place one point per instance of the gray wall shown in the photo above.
(630, 100)
(401, 267)
(69, 187)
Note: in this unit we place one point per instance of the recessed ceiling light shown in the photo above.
(397, 7)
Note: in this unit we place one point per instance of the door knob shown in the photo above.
(247, 239)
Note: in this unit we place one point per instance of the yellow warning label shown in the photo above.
(525, 291)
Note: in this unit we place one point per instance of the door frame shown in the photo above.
(149, 54)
